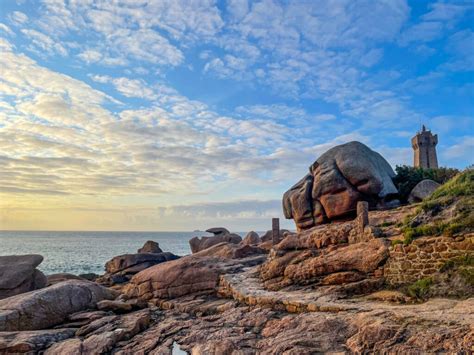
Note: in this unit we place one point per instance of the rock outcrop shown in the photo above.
(341, 177)
(422, 190)
(50, 306)
(150, 247)
(18, 274)
(221, 235)
(120, 269)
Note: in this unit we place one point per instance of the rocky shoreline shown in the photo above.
(397, 280)
(238, 297)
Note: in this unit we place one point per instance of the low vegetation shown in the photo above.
(407, 177)
(420, 289)
(448, 211)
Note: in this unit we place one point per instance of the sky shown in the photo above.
(181, 115)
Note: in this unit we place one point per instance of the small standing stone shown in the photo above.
(275, 230)
(362, 215)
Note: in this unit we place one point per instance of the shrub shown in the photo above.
(420, 288)
(407, 177)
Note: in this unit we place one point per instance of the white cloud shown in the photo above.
(44, 43)
(18, 18)
(6, 29)
(90, 56)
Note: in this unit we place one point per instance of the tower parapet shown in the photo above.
(424, 147)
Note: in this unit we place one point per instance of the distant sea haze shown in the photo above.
(85, 252)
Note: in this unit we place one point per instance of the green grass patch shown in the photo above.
(396, 242)
(465, 260)
(420, 288)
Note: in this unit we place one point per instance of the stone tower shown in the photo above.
(424, 146)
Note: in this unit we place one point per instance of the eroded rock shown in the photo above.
(341, 177)
(18, 274)
(50, 306)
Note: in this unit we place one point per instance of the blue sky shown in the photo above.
(176, 115)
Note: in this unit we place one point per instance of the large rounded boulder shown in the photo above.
(18, 274)
(337, 180)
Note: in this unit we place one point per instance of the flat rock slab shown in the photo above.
(50, 306)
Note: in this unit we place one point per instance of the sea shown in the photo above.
(87, 252)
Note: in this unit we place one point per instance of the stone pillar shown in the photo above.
(275, 230)
(362, 215)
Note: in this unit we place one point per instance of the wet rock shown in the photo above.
(18, 274)
(50, 306)
(422, 190)
(341, 177)
(150, 247)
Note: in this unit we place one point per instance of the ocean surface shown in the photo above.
(84, 252)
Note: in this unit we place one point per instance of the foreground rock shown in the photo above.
(342, 176)
(192, 274)
(18, 274)
(102, 335)
(33, 341)
(422, 190)
(50, 306)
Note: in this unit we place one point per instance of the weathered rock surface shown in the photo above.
(18, 274)
(60, 277)
(50, 306)
(323, 255)
(33, 341)
(192, 274)
(252, 238)
(422, 190)
(102, 336)
(342, 176)
(121, 268)
(198, 244)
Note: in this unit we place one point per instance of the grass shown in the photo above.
(420, 288)
(386, 224)
(459, 190)
(465, 260)
(461, 185)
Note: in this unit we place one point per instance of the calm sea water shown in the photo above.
(84, 252)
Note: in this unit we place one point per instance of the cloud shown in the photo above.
(6, 29)
(18, 18)
(43, 43)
